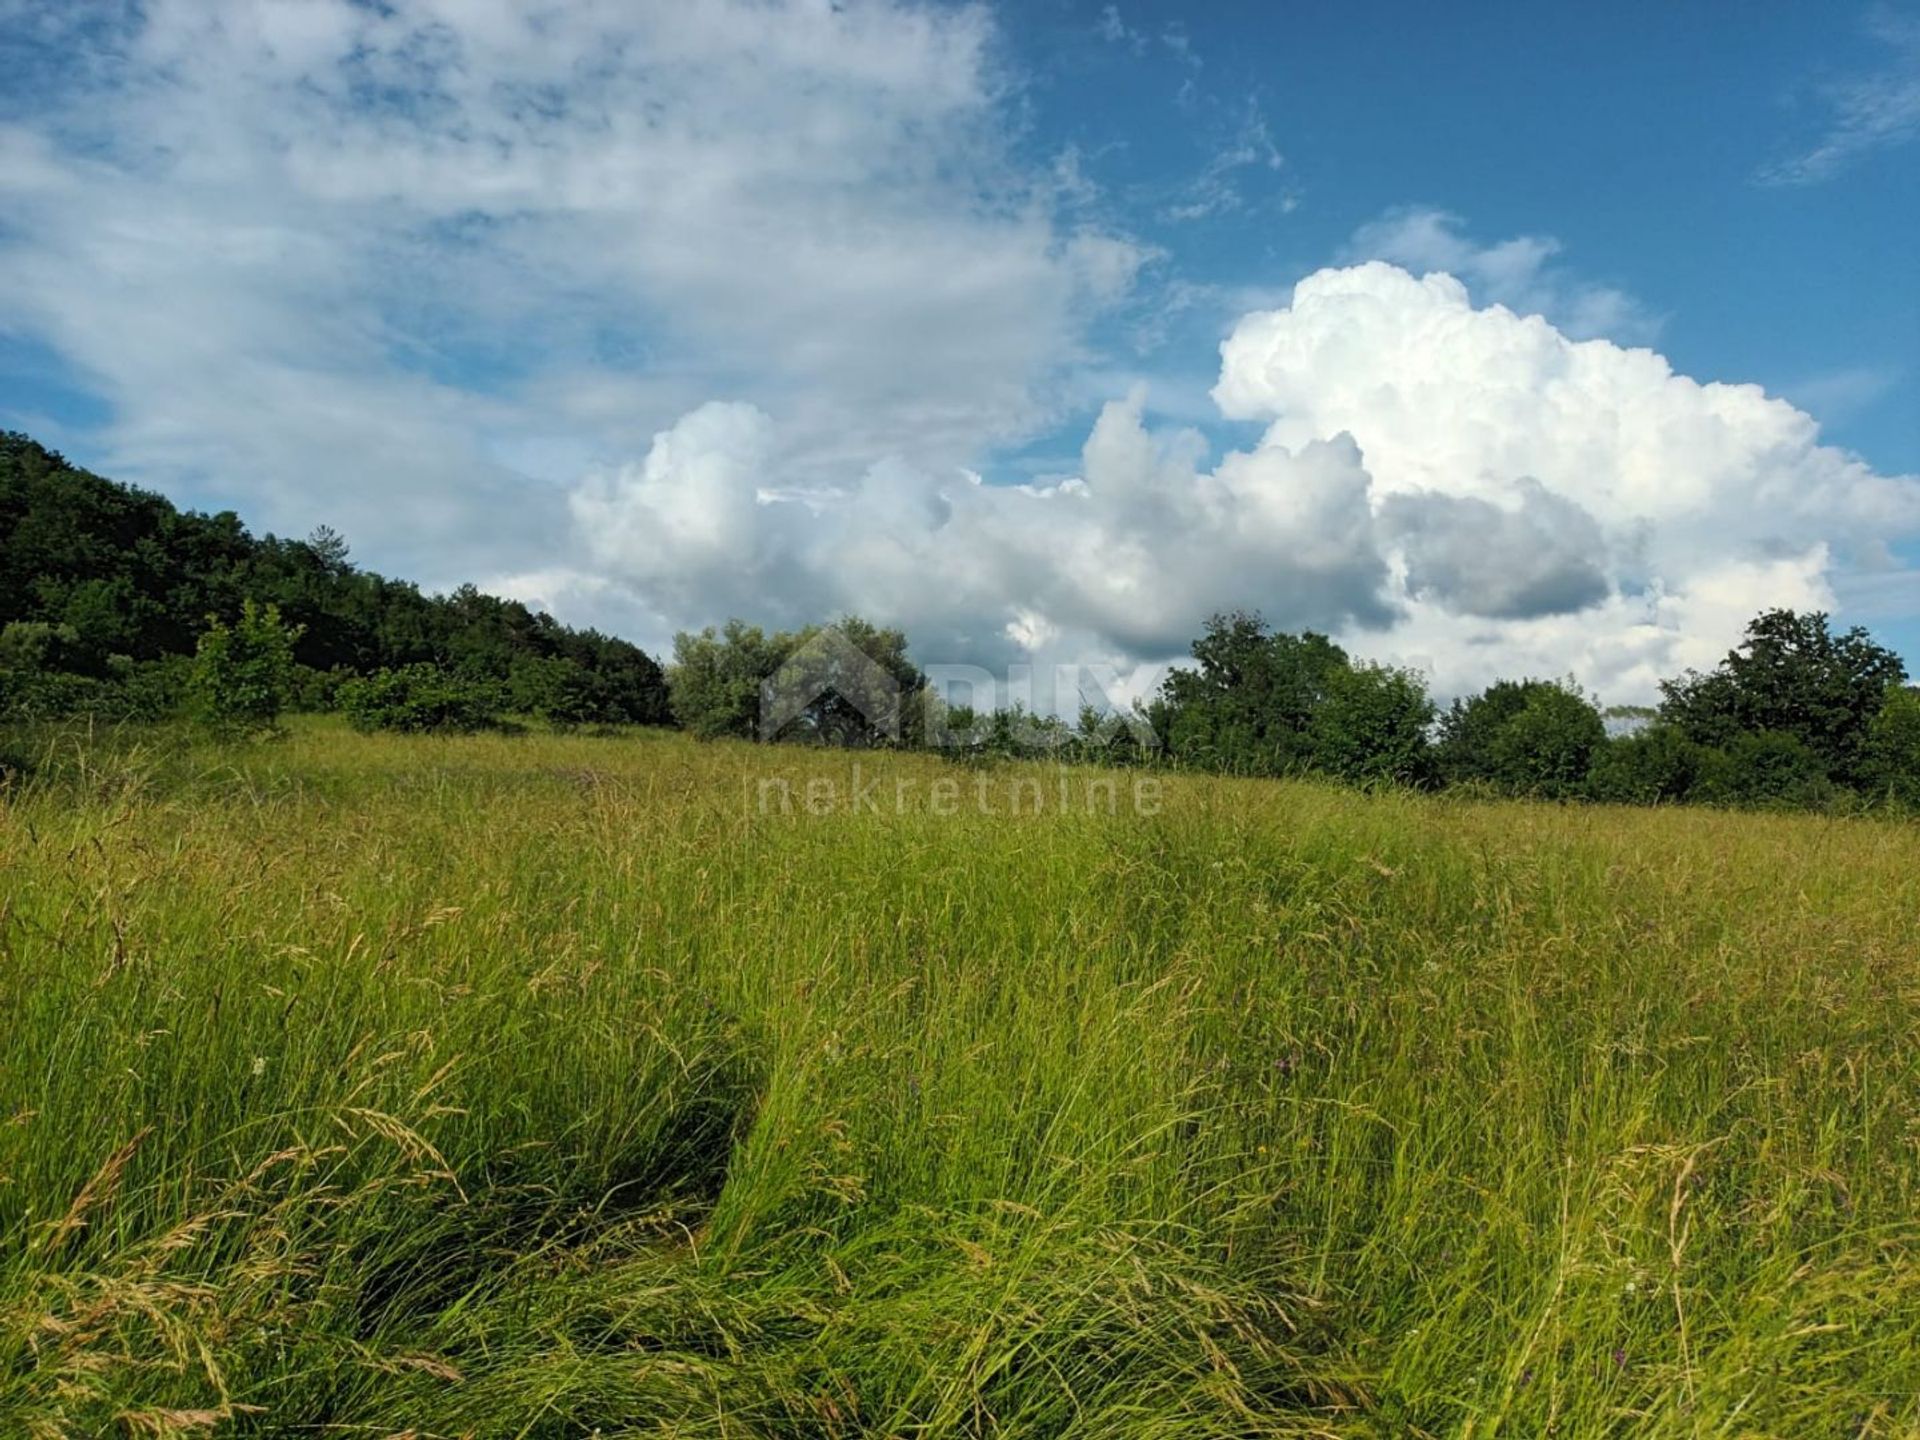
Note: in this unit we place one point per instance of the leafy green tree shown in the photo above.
(1656, 766)
(415, 699)
(99, 616)
(1893, 748)
(1246, 704)
(30, 647)
(243, 673)
(1526, 737)
(1793, 676)
(1371, 726)
(714, 681)
(559, 691)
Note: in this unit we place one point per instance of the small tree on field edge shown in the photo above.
(243, 673)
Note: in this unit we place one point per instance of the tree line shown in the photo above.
(118, 604)
(1798, 715)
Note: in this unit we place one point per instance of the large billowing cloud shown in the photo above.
(1121, 563)
(1461, 488)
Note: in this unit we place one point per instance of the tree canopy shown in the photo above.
(1791, 675)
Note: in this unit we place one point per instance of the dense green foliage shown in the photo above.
(1527, 737)
(1247, 704)
(546, 1087)
(1892, 760)
(1652, 766)
(242, 673)
(1791, 676)
(850, 684)
(121, 584)
(1371, 725)
(416, 699)
(1795, 718)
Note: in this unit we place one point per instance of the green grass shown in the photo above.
(538, 1086)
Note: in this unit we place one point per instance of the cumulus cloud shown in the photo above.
(1544, 555)
(1523, 273)
(1461, 488)
(1121, 563)
(1680, 494)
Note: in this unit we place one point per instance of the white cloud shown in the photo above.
(1122, 562)
(341, 261)
(1871, 111)
(1521, 273)
(1113, 29)
(1219, 188)
(1464, 489)
(1695, 502)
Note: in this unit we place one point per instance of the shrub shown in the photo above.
(560, 692)
(1767, 769)
(421, 697)
(317, 692)
(1658, 766)
(1893, 748)
(1372, 726)
(33, 646)
(1526, 737)
(243, 674)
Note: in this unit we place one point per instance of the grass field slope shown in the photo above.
(544, 1086)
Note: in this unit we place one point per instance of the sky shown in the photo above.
(1520, 340)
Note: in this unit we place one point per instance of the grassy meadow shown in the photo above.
(548, 1086)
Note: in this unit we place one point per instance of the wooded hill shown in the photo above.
(105, 588)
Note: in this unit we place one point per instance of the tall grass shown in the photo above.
(538, 1086)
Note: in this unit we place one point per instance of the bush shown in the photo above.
(1893, 749)
(243, 674)
(1371, 726)
(317, 692)
(1658, 766)
(1526, 737)
(560, 692)
(419, 698)
(1768, 770)
(33, 646)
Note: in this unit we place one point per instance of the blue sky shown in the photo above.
(655, 315)
(1638, 136)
